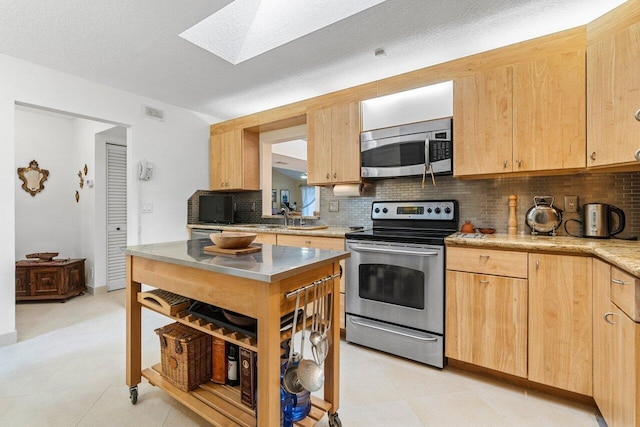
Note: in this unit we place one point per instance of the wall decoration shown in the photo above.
(81, 179)
(33, 178)
(77, 196)
(86, 170)
(284, 197)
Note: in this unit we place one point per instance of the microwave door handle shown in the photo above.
(427, 159)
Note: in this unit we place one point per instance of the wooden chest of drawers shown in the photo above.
(50, 280)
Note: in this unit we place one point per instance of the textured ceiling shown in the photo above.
(135, 45)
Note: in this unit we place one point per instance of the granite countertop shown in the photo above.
(270, 264)
(621, 253)
(276, 229)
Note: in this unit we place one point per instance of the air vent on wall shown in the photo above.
(153, 113)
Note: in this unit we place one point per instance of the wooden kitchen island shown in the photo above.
(255, 285)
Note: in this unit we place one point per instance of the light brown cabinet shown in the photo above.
(51, 280)
(525, 117)
(486, 321)
(333, 145)
(486, 316)
(613, 87)
(560, 321)
(234, 161)
(616, 339)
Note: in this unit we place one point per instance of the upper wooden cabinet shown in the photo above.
(234, 161)
(525, 117)
(333, 145)
(613, 87)
(483, 123)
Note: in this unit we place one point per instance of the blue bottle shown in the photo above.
(286, 398)
(302, 400)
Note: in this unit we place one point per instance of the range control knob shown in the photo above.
(437, 210)
(429, 210)
(447, 210)
(385, 210)
(377, 210)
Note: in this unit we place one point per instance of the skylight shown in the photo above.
(247, 28)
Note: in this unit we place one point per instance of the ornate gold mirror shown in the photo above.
(33, 178)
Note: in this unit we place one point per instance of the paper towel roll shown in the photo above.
(348, 189)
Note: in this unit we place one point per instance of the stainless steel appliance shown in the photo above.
(597, 221)
(395, 279)
(407, 150)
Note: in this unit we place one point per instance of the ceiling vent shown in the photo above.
(152, 113)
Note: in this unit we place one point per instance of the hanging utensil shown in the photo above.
(290, 380)
(315, 336)
(310, 374)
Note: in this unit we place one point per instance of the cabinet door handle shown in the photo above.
(504, 165)
(328, 176)
(335, 175)
(537, 264)
(484, 282)
(637, 154)
(484, 256)
(593, 155)
(618, 282)
(606, 318)
(637, 115)
(519, 162)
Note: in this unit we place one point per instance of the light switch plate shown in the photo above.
(334, 206)
(570, 204)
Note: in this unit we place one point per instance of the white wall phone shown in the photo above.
(145, 170)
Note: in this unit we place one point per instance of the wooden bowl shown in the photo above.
(232, 240)
(486, 230)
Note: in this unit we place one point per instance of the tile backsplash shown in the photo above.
(483, 202)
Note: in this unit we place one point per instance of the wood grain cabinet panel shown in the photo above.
(483, 123)
(22, 283)
(613, 87)
(526, 117)
(549, 109)
(333, 145)
(560, 321)
(488, 261)
(616, 361)
(486, 321)
(234, 161)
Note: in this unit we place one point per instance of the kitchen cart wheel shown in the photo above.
(334, 421)
(133, 394)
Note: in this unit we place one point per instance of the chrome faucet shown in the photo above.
(285, 211)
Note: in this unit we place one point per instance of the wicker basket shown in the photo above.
(186, 355)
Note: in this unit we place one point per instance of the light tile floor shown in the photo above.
(68, 369)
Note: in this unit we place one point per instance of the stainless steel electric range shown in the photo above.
(395, 279)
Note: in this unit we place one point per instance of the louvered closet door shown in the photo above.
(116, 215)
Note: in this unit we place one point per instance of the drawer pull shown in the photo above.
(484, 282)
(484, 256)
(606, 318)
(618, 282)
(537, 264)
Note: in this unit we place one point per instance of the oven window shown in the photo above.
(394, 155)
(392, 284)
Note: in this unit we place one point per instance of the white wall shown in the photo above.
(178, 147)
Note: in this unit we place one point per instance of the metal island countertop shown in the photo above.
(270, 264)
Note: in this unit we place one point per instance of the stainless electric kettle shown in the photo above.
(597, 220)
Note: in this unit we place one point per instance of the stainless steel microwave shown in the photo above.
(408, 150)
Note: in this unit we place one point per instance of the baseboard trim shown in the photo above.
(8, 338)
(99, 290)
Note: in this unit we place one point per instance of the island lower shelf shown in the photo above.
(220, 404)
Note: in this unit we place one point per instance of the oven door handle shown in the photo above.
(362, 322)
(392, 251)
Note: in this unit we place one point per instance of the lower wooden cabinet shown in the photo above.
(560, 321)
(616, 339)
(52, 280)
(486, 321)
